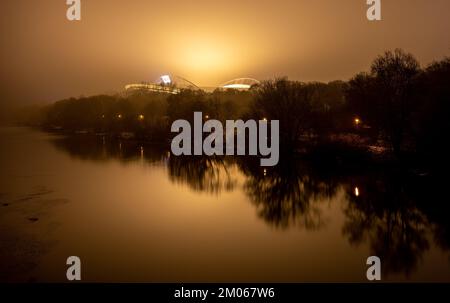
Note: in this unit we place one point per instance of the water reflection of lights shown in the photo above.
(356, 191)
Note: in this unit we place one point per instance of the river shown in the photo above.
(135, 213)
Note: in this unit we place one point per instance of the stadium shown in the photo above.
(174, 84)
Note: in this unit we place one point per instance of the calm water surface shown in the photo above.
(133, 212)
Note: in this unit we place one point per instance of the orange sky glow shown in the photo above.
(45, 57)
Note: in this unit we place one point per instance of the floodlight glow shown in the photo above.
(166, 79)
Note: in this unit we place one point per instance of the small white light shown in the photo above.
(166, 79)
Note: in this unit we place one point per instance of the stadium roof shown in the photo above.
(241, 83)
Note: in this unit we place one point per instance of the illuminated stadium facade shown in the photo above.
(241, 84)
(152, 87)
(164, 84)
(173, 85)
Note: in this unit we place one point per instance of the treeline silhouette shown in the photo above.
(397, 109)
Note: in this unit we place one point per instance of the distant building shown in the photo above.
(165, 84)
(152, 87)
(240, 84)
(173, 85)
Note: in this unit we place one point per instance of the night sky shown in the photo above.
(45, 57)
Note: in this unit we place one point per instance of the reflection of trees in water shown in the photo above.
(287, 194)
(442, 235)
(432, 197)
(202, 173)
(385, 215)
(102, 149)
(393, 213)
